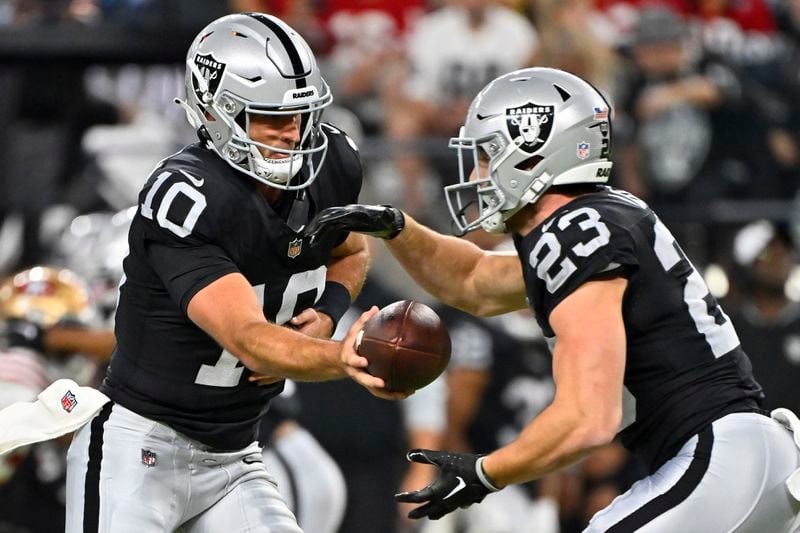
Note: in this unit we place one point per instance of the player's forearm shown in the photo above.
(350, 269)
(442, 265)
(278, 351)
(97, 343)
(554, 440)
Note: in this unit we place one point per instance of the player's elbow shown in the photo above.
(600, 428)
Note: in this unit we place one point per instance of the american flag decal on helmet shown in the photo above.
(600, 113)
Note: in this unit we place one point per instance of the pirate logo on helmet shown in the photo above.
(529, 125)
(211, 70)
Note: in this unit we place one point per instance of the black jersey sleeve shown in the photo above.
(578, 246)
(184, 233)
(185, 271)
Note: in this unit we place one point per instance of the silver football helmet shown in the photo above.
(525, 131)
(253, 64)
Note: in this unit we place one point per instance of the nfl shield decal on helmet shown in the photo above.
(149, 457)
(211, 70)
(529, 125)
(583, 150)
(295, 247)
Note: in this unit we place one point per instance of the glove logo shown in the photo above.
(461, 484)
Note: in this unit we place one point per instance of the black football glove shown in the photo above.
(21, 333)
(459, 483)
(382, 221)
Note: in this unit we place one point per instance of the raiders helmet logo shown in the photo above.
(529, 125)
(211, 70)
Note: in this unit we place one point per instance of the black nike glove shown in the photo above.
(17, 332)
(460, 482)
(382, 221)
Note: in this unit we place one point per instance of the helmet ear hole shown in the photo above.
(241, 120)
(528, 164)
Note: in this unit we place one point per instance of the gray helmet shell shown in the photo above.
(537, 127)
(250, 63)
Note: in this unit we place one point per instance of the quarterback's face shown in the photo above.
(280, 131)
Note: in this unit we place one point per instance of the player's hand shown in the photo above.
(458, 484)
(382, 221)
(20, 333)
(313, 323)
(355, 365)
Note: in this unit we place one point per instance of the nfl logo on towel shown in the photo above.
(583, 150)
(149, 457)
(68, 401)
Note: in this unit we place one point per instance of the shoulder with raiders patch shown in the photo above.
(588, 238)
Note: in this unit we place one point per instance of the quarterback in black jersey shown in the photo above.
(223, 297)
(640, 347)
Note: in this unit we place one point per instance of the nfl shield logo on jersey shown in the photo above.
(149, 457)
(532, 122)
(583, 150)
(68, 401)
(295, 247)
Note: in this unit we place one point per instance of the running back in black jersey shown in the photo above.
(684, 365)
(199, 220)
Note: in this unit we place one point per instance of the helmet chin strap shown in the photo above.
(275, 170)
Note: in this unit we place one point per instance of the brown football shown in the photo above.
(406, 344)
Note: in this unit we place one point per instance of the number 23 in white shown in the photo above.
(549, 242)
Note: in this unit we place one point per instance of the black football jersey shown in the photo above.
(198, 220)
(684, 365)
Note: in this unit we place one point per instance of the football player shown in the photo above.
(640, 346)
(216, 265)
(33, 303)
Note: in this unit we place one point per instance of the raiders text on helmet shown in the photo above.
(246, 64)
(532, 128)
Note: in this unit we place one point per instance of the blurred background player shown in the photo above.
(767, 320)
(32, 302)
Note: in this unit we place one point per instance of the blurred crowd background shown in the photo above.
(706, 128)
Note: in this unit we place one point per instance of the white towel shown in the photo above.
(61, 408)
(790, 420)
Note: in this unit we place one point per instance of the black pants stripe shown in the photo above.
(91, 502)
(677, 494)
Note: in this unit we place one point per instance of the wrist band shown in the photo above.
(484, 477)
(334, 302)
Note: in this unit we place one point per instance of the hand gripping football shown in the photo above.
(406, 345)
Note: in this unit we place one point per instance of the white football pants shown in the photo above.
(729, 478)
(127, 473)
